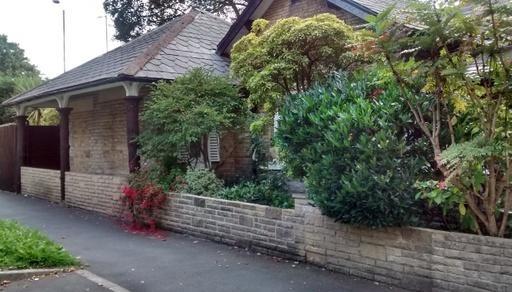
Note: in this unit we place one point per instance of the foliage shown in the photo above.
(6, 91)
(269, 189)
(17, 74)
(132, 18)
(24, 248)
(44, 117)
(181, 113)
(13, 61)
(354, 144)
(140, 200)
(456, 79)
(290, 56)
(201, 182)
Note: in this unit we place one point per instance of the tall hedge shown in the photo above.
(352, 141)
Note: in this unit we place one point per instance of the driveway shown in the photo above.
(179, 263)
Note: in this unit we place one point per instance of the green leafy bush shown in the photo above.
(184, 111)
(269, 189)
(352, 141)
(201, 182)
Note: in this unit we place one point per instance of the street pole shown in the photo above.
(63, 35)
(106, 32)
(64, 38)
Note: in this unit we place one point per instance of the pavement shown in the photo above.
(177, 263)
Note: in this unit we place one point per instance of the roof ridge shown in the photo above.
(140, 61)
(212, 15)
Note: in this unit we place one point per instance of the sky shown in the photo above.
(36, 26)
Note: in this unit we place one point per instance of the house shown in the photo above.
(99, 101)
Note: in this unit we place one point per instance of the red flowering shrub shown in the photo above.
(140, 201)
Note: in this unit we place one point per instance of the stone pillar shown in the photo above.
(132, 131)
(64, 148)
(21, 122)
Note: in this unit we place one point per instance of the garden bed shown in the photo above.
(25, 248)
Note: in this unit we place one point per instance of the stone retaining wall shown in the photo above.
(412, 258)
(41, 183)
(270, 230)
(93, 192)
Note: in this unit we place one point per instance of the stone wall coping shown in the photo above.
(225, 201)
(97, 174)
(39, 168)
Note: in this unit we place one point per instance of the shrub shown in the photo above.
(269, 189)
(201, 182)
(352, 142)
(141, 198)
(181, 113)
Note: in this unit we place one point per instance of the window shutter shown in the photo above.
(214, 147)
(183, 154)
(277, 118)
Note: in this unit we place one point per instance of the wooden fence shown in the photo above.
(7, 157)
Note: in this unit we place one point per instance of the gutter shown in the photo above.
(89, 85)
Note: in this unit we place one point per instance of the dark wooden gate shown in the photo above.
(42, 150)
(7, 157)
(42, 147)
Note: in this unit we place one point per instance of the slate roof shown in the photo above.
(194, 47)
(164, 53)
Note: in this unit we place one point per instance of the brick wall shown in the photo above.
(412, 258)
(41, 183)
(98, 133)
(306, 8)
(98, 193)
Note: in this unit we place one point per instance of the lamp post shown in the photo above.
(106, 30)
(63, 35)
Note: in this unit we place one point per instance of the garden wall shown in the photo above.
(411, 258)
(98, 193)
(93, 192)
(41, 183)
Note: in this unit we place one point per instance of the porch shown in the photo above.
(96, 132)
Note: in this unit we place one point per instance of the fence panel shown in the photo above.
(7, 157)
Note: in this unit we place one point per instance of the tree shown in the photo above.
(13, 61)
(290, 56)
(456, 80)
(184, 111)
(17, 74)
(134, 17)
